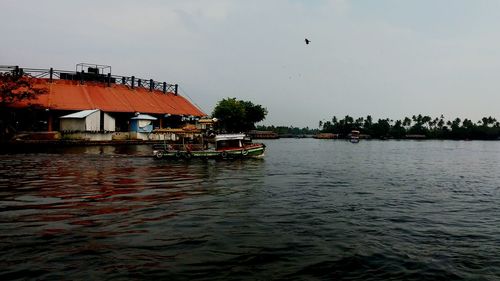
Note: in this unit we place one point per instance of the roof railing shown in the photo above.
(92, 75)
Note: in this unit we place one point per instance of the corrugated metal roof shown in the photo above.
(71, 95)
(80, 114)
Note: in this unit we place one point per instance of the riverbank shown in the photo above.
(41, 145)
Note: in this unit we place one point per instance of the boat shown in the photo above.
(354, 136)
(221, 146)
(326, 136)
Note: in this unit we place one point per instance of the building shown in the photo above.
(93, 87)
(87, 121)
(141, 125)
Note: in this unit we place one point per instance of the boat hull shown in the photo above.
(252, 151)
(354, 140)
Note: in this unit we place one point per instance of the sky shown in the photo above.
(384, 58)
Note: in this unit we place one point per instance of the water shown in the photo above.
(310, 210)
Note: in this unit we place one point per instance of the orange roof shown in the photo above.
(71, 95)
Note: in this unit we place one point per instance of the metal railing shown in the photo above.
(82, 77)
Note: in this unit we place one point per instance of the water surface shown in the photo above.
(310, 210)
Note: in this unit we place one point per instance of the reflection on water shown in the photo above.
(311, 209)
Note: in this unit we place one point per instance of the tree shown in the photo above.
(441, 122)
(359, 123)
(237, 115)
(407, 122)
(15, 88)
(254, 113)
(487, 128)
(381, 128)
(367, 126)
(398, 131)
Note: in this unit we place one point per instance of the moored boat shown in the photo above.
(224, 146)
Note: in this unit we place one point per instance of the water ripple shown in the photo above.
(311, 210)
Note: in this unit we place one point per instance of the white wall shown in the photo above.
(93, 122)
(109, 123)
(72, 124)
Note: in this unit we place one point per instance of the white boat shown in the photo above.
(354, 136)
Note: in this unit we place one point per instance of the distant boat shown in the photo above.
(263, 134)
(354, 136)
(326, 136)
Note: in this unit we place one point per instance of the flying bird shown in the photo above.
(307, 41)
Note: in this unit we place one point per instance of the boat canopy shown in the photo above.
(230, 137)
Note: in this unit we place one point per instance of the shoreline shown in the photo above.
(7, 147)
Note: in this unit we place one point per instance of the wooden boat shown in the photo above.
(225, 146)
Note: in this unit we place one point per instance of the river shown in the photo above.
(310, 210)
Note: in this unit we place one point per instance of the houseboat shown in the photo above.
(354, 136)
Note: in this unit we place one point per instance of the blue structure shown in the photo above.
(142, 123)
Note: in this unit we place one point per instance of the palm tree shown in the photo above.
(440, 124)
(359, 123)
(407, 122)
(426, 120)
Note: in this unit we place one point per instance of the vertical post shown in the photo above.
(133, 81)
(51, 73)
(49, 122)
(81, 77)
(16, 71)
(109, 79)
(176, 88)
(164, 87)
(139, 83)
(101, 121)
(161, 123)
(151, 85)
(123, 81)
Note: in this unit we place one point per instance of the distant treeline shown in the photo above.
(487, 128)
(284, 130)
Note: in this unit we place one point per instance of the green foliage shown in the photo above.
(437, 128)
(237, 115)
(288, 131)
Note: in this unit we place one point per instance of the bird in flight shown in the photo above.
(307, 41)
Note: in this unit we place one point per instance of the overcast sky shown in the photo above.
(386, 58)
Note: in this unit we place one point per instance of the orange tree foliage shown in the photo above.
(16, 88)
